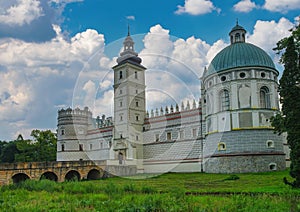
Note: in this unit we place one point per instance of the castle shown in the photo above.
(227, 131)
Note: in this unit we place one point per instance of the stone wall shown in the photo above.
(243, 151)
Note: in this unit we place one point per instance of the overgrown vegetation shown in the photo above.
(289, 90)
(41, 148)
(168, 192)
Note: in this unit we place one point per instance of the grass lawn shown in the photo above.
(167, 192)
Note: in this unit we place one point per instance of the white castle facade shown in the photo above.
(227, 131)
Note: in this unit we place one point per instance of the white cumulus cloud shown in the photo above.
(282, 6)
(244, 6)
(267, 33)
(196, 7)
(23, 12)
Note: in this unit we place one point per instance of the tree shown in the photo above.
(9, 149)
(41, 148)
(45, 143)
(289, 90)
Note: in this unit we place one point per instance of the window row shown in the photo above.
(169, 136)
(91, 146)
(222, 145)
(121, 75)
(264, 99)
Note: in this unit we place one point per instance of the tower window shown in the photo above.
(135, 75)
(194, 132)
(221, 146)
(91, 146)
(80, 147)
(121, 104)
(136, 104)
(270, 144)
(121, 74)
(62, 147)
(137, 137)
(273, 166)
(225, 100)
(156, 137)
(121, 91)
(121, 118)
(181, 134)
(169, 136)
(62, 132)
(264, 97)
(237, 37)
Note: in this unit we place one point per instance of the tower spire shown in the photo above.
(128, 33)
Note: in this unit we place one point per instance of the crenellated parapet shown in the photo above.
(168, 110)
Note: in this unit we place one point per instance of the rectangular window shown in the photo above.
(121, 91)
(101, 145)
(62, 147)
(80, 147)
(137, 137)
(121, 118)
(137, 118)
(91, 146)
(194, 133)
(181, 134)
(169, 136)
(121, 104)
(121, 74)
(135, 75)
(156, 137)
(136, 104)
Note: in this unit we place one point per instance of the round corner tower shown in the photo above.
(240, 96)
(72, 127)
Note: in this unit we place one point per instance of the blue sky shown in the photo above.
(59, 53)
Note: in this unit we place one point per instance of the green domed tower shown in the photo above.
(239, 92)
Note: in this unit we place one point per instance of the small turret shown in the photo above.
(237, 34)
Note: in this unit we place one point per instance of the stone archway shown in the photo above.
(72, 176)
(94, 174)
(49, 176)
(20, 177)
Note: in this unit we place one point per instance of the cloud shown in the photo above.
(173, 65)
(38, 76)
(130, 17)
(244, 6)
(196, 7)
(282, 6)
(20, 12)
(267, 33)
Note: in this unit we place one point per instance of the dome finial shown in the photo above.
(128, 33)
(237, 21)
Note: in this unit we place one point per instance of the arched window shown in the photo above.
(225, 100)
(237, 37)
(264, 97)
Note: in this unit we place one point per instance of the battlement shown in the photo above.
(173, 110)
(74, 112)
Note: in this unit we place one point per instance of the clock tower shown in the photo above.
(129, 106)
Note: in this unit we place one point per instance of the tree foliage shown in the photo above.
(289, 90)
(41, 148)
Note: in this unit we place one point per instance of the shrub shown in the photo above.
(232, 177)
